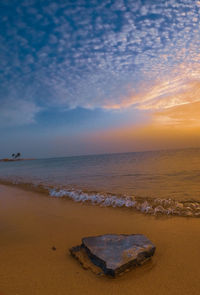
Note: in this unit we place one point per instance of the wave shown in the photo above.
(151, 206)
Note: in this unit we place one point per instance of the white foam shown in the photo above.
(154, 206)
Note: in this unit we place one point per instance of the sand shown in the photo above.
(30, 224)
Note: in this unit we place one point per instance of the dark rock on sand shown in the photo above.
(113, 254)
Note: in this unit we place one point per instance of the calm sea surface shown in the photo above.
(173, 174)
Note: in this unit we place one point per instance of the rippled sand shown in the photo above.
(31, 224)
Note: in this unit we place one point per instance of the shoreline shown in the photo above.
(31, 225)
(147, 206)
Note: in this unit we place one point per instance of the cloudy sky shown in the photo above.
(89, 76)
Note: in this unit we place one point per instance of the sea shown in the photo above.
(163, 182)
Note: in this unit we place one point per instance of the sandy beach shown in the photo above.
(31, 224)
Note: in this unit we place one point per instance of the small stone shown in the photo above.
(53, 248)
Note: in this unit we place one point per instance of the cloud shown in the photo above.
(103, 55)
(170, 94)
(186, 115)
(165, 93)
(17, 112)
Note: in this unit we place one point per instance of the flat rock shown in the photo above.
(113, 254)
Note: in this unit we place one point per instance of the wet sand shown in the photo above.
(30, 224)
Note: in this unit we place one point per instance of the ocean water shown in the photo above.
(155, 182)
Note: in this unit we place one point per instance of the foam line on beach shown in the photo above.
(151, 206)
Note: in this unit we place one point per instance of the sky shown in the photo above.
(87, 76)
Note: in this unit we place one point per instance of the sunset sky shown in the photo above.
(88, 76)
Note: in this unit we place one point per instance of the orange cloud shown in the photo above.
(181, 87)
(174, 122)
(185, 115)
(173, 105)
